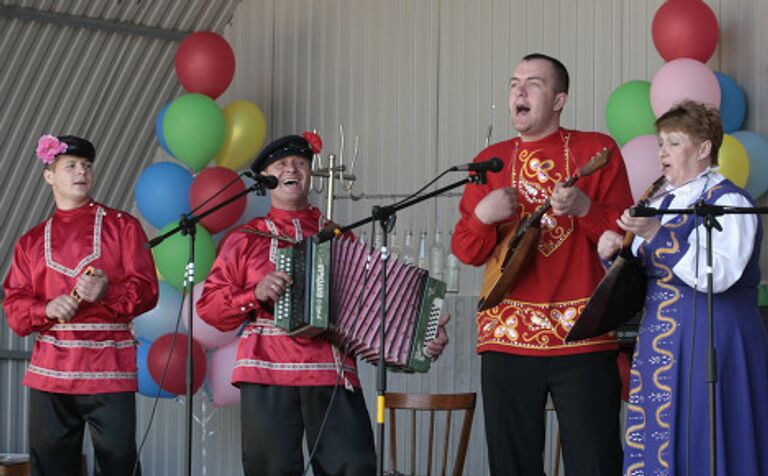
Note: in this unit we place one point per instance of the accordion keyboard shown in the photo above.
(435, 312)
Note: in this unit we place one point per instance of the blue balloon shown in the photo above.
(162, 193)
(733, 104)
(147, 385)
(162, 318)
(757, 151)
(159, 130)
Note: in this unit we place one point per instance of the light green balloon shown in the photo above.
(628, 112)
(194, 128)
(171, 255)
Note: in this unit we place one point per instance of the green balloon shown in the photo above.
(171, 255)
(628, 113)
(194, 129)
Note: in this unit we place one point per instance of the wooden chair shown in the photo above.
(431, 403)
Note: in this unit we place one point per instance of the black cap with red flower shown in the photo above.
(305, 145)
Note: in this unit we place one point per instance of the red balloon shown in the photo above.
(685, 29)
(205, 63)
(208, 183)
(176, 375)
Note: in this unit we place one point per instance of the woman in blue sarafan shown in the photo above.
(667, 417)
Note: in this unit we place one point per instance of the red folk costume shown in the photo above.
(266, 355)
(95, 351)
(537, 314)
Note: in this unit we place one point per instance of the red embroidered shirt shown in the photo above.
(539, 311)
(95, 351)
(266, 354)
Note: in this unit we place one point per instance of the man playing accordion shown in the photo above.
(287, 384)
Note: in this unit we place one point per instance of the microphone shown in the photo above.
(326, 234)
(643, 211)
(268, 181)
(491, 165)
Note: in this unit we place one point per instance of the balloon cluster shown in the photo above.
(685, 33)
(195, 131)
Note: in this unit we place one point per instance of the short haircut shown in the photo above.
(698, 120)
(562, 79)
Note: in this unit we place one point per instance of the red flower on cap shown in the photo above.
(314, 140)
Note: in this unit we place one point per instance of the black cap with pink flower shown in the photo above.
(49, 147)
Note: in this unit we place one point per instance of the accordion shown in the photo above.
(336, 290)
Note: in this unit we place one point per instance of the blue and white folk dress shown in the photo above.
(666, 431)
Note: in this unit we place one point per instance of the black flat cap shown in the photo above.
(292, 145)
(79, 147)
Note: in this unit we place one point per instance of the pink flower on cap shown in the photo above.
(315, 142)
(48, 147)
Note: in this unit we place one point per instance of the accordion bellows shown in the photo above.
(336, 292)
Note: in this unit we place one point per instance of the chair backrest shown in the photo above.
(431, 403)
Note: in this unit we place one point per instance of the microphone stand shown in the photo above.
(386, 217)
(709, 214)
(187, 227)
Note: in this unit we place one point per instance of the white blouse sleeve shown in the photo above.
(732, 248)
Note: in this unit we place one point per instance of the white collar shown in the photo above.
(692, 190)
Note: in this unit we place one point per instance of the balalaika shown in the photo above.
(337, 288)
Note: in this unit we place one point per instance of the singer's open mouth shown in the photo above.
(522, 110)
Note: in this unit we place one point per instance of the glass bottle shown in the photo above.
(394, 247)
(423, 259)
(451, 273)
(436, 256)
(409, 252)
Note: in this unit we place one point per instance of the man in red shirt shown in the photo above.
(521, 341)
(77, 280)
(288, 385)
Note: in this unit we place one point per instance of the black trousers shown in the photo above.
(274, 420)
(57, 424)
(586, 392)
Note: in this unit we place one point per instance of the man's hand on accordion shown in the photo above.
(435, 348)
(272, 286)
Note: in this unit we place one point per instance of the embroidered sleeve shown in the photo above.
(24, 310)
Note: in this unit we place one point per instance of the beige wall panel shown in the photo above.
(420, 82)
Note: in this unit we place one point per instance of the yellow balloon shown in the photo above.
(734, 161)
(244, 135)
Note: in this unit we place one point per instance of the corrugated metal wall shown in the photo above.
(420, 83)
(98, 69)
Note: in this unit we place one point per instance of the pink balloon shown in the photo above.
(682, 79)
(220, 375)
(207, 335)
(640, 158)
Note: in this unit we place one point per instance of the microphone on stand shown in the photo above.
(491, 165)
(268, 181)
(643, 211)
